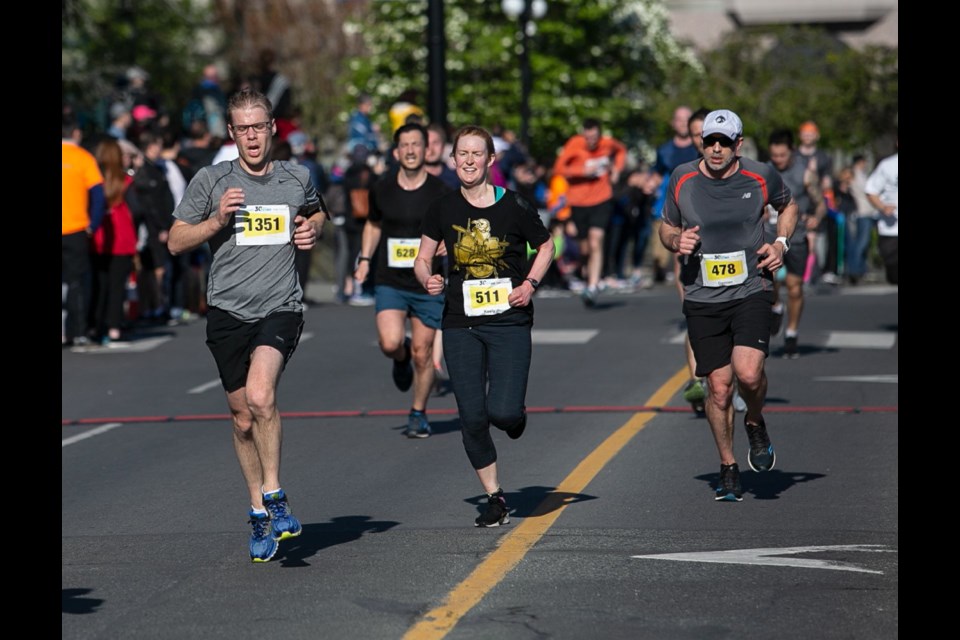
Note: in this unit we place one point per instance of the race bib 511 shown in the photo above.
(486, 297)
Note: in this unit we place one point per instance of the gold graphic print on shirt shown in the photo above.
(476, 252)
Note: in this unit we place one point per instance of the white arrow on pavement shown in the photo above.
(889, 378)
(770, 557)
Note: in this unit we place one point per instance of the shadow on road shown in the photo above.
(765, 486)
(321, 535)
(532, 502)
(72, 601)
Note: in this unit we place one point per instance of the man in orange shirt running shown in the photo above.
(591, 163)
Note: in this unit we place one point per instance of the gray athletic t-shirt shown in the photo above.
(729, 213)
(251, 282)
(793, 179)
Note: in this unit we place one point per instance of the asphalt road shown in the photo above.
(614, 530)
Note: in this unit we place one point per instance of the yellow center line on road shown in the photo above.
(438, 622)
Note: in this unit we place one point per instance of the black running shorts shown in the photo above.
(593, 217)
(796, 259)
(714, 329)
(232, 342)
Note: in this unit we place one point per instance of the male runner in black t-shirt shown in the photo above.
(397, 206)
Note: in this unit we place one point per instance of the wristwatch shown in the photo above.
(786, 243)
(534, 283)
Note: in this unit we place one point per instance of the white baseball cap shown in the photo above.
(724, 122)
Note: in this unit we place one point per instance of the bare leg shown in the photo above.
(488, 478)
(244, 445)
(719, 408)
(748, 366)
(266, 363)
(421, 346)
(794, 301)
(595, 261)
(256, 424)
(691, 359)
(391, 330)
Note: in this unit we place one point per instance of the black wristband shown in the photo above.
(363, 259)
(534, 283)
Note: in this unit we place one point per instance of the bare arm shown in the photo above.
(787, 219)
(423, 266)
(678, 239)
(885, 208)
(307, 230)
(520, 296)
(771, 254)
(184, 237)
(370, 239)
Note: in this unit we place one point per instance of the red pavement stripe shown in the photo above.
(447, 412)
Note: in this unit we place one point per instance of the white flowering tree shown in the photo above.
(608, 59)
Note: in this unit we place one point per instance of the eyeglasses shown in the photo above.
(259, 127)
(724, 141)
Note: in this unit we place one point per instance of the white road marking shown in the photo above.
(212, 384)
(133, 346)
(888, 378)
(206, 386)
(769, 557)
(870, 290)
(89, 434)
(678, 338)
(563, 336)
(861, 339)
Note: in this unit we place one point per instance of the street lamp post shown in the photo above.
(436, 54)
(526, 11)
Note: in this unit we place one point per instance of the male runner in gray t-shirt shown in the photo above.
(714, 219)
(255, 213)
(800, 176)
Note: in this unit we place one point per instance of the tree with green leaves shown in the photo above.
(101, 39)
(779, 78)
(607, 59)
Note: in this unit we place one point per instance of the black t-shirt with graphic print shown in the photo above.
(484, 244)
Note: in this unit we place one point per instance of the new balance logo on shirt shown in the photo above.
(746, 196)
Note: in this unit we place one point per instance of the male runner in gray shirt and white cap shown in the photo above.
(714, 218)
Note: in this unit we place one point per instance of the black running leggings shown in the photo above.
(488, 366)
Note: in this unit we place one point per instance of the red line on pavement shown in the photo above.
(379, 413)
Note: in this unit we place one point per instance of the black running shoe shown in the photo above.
(790, 349)
(516, 430)
(728, 489)
(776, 322)
(496, 512)
(403, 370)
(761, 455)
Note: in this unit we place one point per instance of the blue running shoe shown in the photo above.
(284, 524)
(417, 425)
(761, 455)
(262, 545)
(728, 489)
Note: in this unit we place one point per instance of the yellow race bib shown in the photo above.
(723, 269)
(263, 224)
(486, 297)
